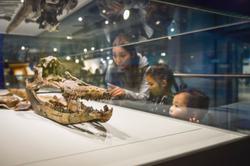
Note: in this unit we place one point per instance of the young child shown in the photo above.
(160, 79)
(189, 104)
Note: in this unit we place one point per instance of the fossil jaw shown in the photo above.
(67, 108)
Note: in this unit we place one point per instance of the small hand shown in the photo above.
(116, 91)
(194, 120)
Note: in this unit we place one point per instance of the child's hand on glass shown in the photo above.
(194, 120)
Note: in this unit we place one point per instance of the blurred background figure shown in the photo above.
(140, 19)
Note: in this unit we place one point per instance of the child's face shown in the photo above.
(179, 107)
(154, 87)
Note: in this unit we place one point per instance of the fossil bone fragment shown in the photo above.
(13, 102)
(43, 12)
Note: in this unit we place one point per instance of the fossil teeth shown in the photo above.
(72, 89)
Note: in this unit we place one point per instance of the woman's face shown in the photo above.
(121, 57)
(179, 107)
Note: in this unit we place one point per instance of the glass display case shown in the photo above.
(174, 71)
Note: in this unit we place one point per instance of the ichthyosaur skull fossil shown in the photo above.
(65, 107)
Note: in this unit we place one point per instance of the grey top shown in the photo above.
(122, 78)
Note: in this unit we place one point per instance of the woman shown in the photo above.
(126, 76)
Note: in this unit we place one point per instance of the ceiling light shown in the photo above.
(101, 49)
(106, 22)
(108, 57)
(85, 50)
(110, 61)
(92, 48)
(172, 29)
(68, 58)
(69, 37)
(22, 1)
(103, 11)
(55, 49)
(80, 19)
(126, 14)
(77, 60)
(22, 48)
(157, 22)
(169, 37)
(163, 54)
(103, 61)
(161, 61)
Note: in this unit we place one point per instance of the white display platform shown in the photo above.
(131, 138)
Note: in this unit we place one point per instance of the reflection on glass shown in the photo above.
(186, 39)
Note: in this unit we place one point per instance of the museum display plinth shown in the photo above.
(130, 137)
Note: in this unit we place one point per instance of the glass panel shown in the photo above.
(206, 50)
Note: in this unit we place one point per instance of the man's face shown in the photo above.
(154, 87)
(179, 107)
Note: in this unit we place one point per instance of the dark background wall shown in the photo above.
(240, 7)
(1, 63)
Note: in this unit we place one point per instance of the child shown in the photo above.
(160, 79)
(189, 104)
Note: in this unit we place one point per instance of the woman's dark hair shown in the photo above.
(162, 72)
(123, 39)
